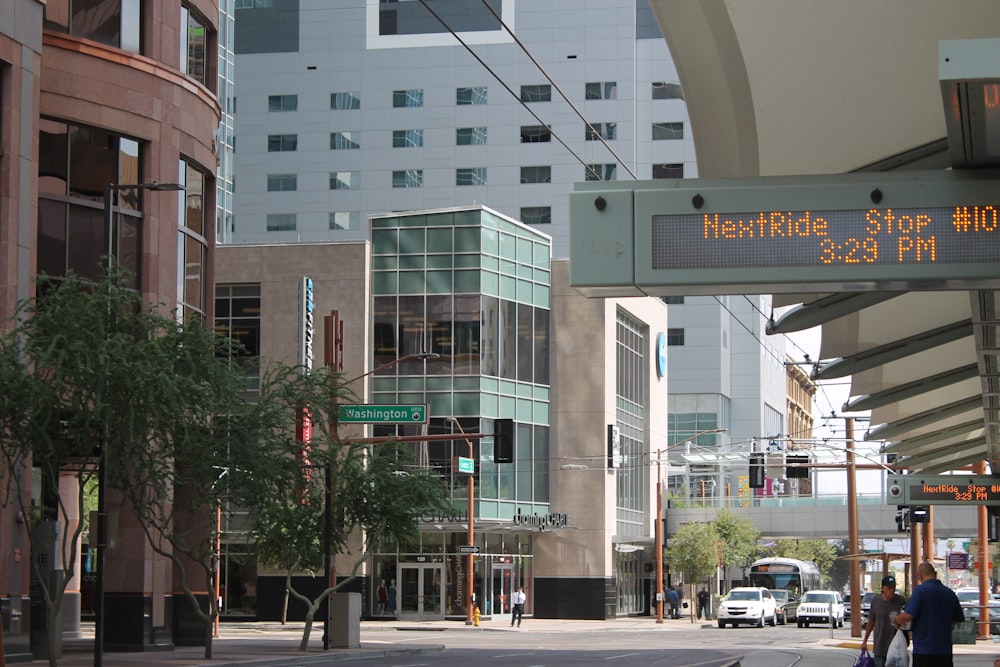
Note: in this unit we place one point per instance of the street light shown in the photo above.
(102, 464)
(469, 562)
(328, 490)
(658, 528)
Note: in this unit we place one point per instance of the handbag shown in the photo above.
(897, 656)
(866, 659)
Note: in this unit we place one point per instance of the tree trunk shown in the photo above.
(284, 608)
(209, 627)
(310, 615)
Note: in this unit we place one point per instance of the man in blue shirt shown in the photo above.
(932, 610)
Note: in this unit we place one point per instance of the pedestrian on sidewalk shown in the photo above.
(884, 609)
(674, 600)
(703, 603)
(932, 610)
(517, 600)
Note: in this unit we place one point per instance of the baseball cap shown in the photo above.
(889, 581)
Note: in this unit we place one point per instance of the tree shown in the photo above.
(96, 379)
(740, 539)
(378, 491)
(694, 551)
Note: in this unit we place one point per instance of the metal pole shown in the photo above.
(852, 531)
(102, 475)
(327, 540)
(658, 531)
(469, 559)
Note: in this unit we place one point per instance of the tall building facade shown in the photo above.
(362, 107)
(103, 105)
(725, 373)
(568, 514)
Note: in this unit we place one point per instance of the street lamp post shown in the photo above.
(659, 527)
(328, 485)
(469, 558)
(102, 463)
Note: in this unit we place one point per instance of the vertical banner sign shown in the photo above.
(306, 308)
(303, 420)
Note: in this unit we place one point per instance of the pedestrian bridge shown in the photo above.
(822, 516)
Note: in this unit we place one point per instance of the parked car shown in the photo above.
(972, 613)
(821, 607)
(847, 607)
(753, 605)
(785, 604)
(866, 607)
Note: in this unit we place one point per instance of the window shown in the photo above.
(345, 220)
(476, 95)
(542, 93)
(668, 131)
(409, 178)
(667, 90)
(345, 180)
(74, 163)
(192, 247)
(281, 222)
(408, 98)
(115, 23)
(604, 90)
(470, 176)
(534, 134)
(601, 130)
(536, 174)
(193, 44)
(673, 300)
(407, 138)
(237, 316)
(601, 172)
(282, 102)
(345, 141)
(254, 4)
(670, 170)
(281, 182)
(469, 136)
(345, 100)
(675, 336)
(536, 215)
(280, 143)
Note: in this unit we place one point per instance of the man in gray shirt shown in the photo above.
(883, 612)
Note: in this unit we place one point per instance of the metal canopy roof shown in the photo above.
(780, 87)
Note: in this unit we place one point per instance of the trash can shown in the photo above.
(964, 632)
(345, 620)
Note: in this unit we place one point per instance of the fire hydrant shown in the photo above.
(475, 616)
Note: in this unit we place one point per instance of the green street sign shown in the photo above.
(382, 414)
(466, 465)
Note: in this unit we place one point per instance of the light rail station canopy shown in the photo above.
(781, 89)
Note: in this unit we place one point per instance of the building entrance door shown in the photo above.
(421, 589)
(502, 585)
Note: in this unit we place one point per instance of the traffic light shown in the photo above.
(503, 440)
(902, 519)
(795, 466)
(757, 471)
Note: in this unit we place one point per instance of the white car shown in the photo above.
(752, 605)
(821, 607)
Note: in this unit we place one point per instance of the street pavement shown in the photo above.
(264, 644)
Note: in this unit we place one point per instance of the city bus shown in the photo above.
(796, 576)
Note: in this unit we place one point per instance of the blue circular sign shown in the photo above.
(661, 355)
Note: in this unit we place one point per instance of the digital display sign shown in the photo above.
(943, 490)
(872, 236)
(897, 231)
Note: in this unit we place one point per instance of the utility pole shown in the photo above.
(852, 530)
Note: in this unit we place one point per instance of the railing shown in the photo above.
(736, 502)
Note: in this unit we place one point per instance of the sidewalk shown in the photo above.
(266, 644)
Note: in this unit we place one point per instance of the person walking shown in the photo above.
(674, 600)
(884, 609)
(703, 603)
(932, 610)
(517, 600)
